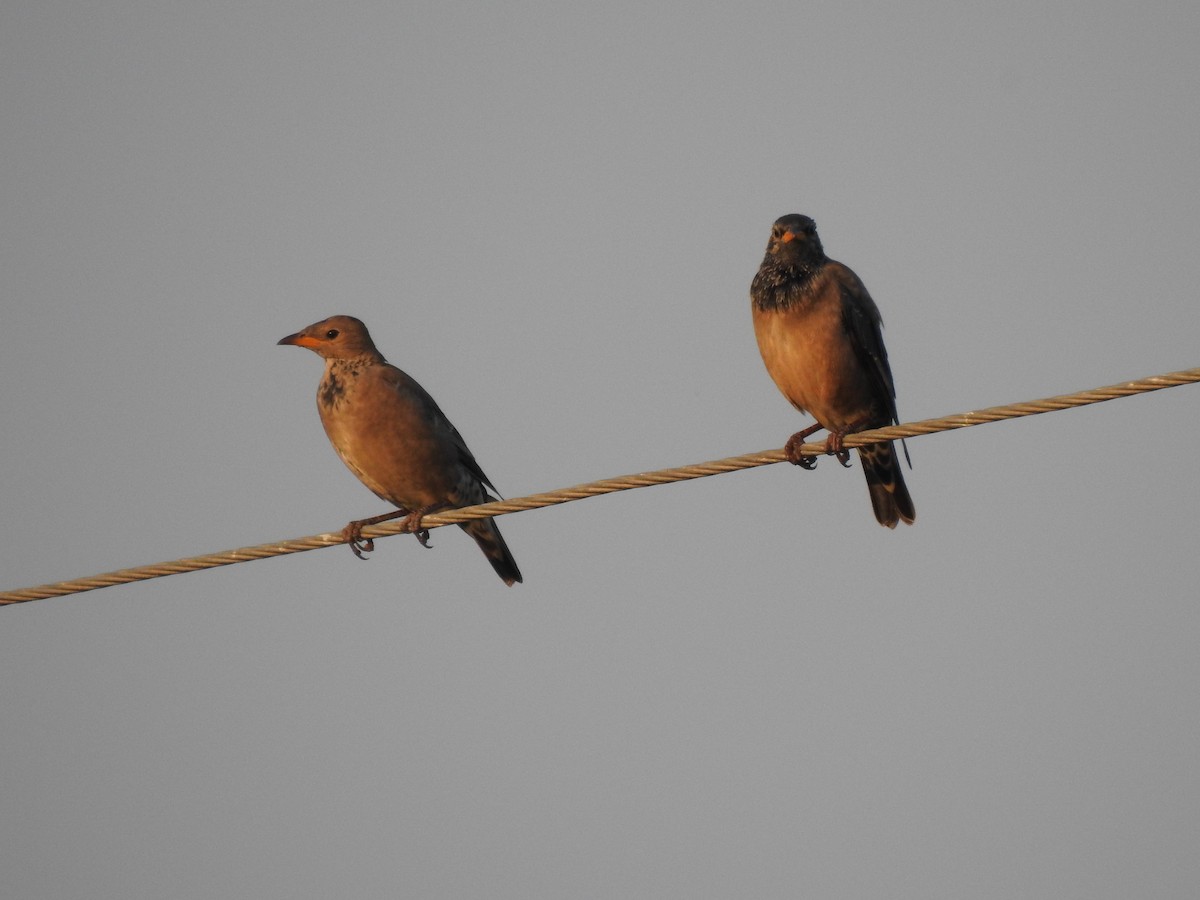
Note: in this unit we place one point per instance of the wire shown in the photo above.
(606, 486)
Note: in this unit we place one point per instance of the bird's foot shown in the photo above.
(352, 535)
(792, 448)
(833, 447)
(412, 522)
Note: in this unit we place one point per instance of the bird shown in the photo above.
(819, 333)
(389, 432)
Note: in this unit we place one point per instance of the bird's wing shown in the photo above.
(436, 420)
(864, 325)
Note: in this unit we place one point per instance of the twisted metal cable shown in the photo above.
(607, 486)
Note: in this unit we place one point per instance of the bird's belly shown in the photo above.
(812, 362)
(400, 467)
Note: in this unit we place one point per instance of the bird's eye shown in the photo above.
(331, 334)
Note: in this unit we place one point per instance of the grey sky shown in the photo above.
(550, 214)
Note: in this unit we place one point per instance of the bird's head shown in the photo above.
(338, 337)
(794, 240)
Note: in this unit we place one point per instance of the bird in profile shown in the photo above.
(819, 333)
(392, 435)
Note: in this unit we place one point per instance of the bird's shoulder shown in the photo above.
(391, 385)
(851, 291)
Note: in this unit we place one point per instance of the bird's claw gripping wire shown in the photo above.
(833, 447)
(792, 448)
(412, 523)
(352, 535)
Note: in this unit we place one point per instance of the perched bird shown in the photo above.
(819, 334)
(392, 435)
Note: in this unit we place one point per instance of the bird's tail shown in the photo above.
(490, 541)
(889, 494)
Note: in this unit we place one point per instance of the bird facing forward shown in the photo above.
(392, 435)
(820, 336)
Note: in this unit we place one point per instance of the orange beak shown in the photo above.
(788, 237)
(299, 339)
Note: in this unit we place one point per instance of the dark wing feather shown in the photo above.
(862, 321)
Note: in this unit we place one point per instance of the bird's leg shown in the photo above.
(833, 447)
(412, 524)
(833, 444)
(352, 533)
(792, 448)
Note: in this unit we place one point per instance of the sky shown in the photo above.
(550, 214)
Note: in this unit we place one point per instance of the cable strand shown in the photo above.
(606, 486)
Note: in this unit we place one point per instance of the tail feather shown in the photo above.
(889, 494)
(490, 541)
